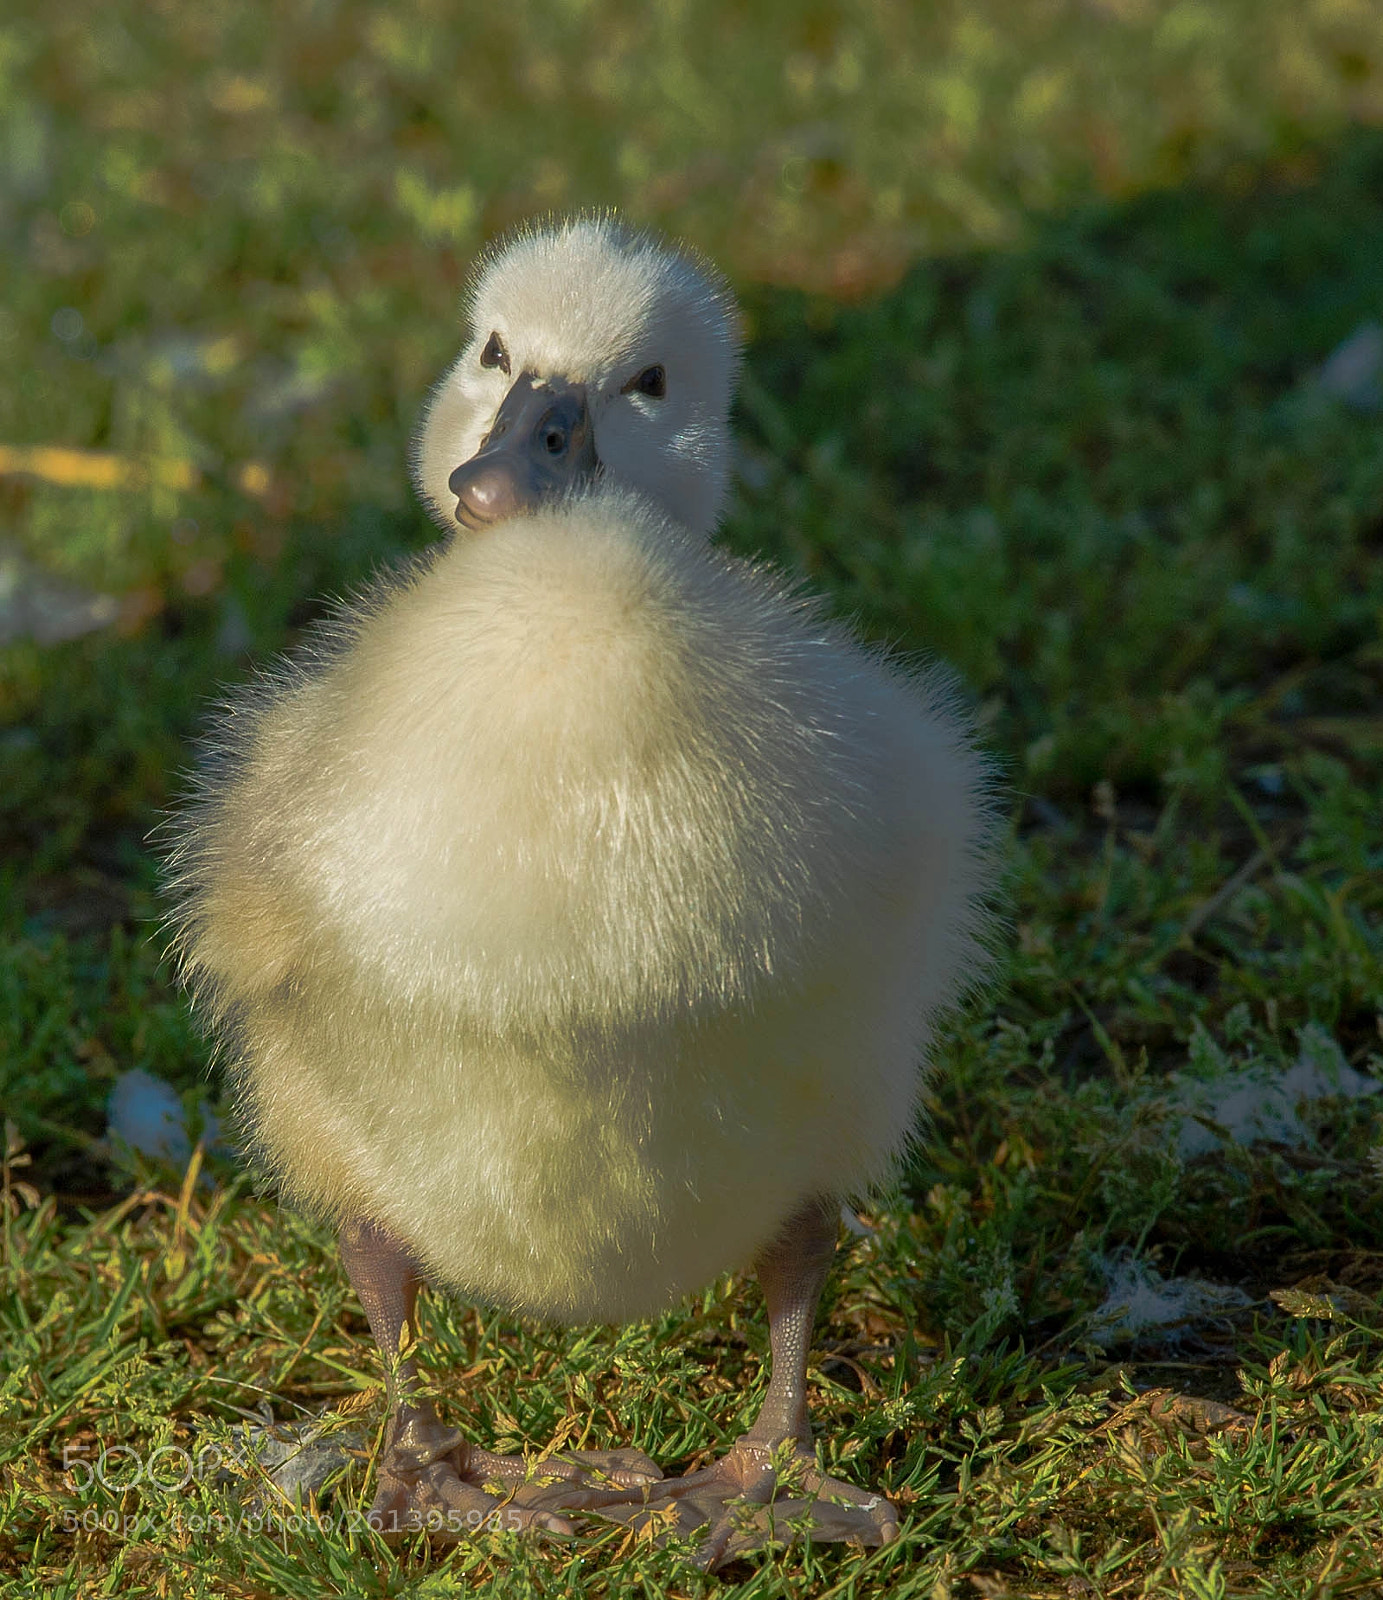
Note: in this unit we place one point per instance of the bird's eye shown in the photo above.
(652, 381)
(494, 354)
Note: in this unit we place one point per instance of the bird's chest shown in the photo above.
(589, 826)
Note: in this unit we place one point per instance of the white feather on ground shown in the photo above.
(1140, 1302)
(1258, 1101)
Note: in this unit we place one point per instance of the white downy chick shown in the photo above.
(577, 914)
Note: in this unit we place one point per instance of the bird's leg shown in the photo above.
(430, 1476)
(769, 1480)
(386, 1279)
(792, 1273)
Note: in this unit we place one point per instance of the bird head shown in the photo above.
(592, 351)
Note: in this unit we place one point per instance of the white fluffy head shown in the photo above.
(594, 303)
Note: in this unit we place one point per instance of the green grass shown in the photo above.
(1034, 299)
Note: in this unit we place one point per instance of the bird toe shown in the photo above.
(753, 1498)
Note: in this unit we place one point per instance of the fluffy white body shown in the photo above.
(585, 906)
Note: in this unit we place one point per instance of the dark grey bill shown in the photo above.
(540, 445)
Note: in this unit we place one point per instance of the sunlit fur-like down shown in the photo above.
(585, 901)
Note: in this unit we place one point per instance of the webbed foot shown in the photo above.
(758, 1495)
(432, 1479)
